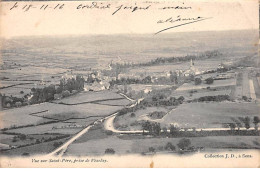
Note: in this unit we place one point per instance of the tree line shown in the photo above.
(205, 55)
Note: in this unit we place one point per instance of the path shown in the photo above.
(60, 150)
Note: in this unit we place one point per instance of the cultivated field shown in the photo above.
(65, 112)
(210, 115)
(217, 83)
(128, 122)
(20, 117)
(130, 144)
(90, 96)
(201, 93)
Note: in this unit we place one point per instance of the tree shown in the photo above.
(156, 128)
(184, 143)
(151, 149)
(109, 151)
(197, 81)
(169, 147)
(232, 126)
(173, 77)
(146, 126)
(245, 98)
(181, 99)
(174, 130)
(165, 130)
(247, 122)
(132, 115)
(209, 80)
(256, 121)
(22, 137)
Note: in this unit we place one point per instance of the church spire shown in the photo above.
(191, 63)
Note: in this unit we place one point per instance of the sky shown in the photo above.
(224, 15)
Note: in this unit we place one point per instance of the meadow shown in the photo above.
(127, 144)
(210, 115)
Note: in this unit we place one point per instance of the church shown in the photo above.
(192, 70)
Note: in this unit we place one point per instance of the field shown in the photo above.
(217, 83)
(29, 77)
(37, 149)
(121, 102)
(198, 115)
(128, 122)
(210, 115)
(89, 96)
(20, 117)
(201, 93)
(65, 112)
(46, 128)
(39, 113)
(124, 145)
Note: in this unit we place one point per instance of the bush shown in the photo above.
(197, 81)
(244, 98)
(184, 143)
(132, 115)
(65, 93)
(109, 151)
(151, 149)
(25, 154)
(109, 132)
(209, 80)
(22, 137)
(169, 147)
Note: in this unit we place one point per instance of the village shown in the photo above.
(156, 98)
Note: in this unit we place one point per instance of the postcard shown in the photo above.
(145, 83)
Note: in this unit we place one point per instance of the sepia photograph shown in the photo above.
(113, 79)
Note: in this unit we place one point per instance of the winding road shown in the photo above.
(109, 125)
(60, 150)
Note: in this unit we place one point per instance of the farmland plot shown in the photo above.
(120, 102)
(21, 116)
(201, 93)
(89, 96)
(210, 115)
(40, 113)
(134, 121)
(65, 112)
(138, 145)
(46, 128)
(217, 83)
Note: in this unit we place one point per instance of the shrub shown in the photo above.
(25, 154)
(209, 80)
(169, 146)
(244, 98)
(197, 81)
(184, 143)
(22, 137)
(132, 115)
(109, 132)
(109, 151)
(151, 149)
